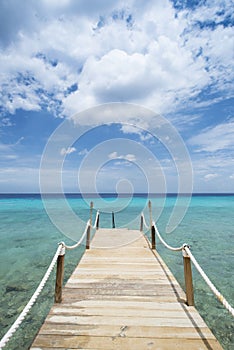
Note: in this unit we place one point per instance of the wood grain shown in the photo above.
(123, 297)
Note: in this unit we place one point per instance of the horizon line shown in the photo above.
(116, 193)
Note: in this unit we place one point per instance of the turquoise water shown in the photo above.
(29, 240)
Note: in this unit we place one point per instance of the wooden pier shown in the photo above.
(123, 296)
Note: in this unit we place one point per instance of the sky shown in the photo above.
(167, 58)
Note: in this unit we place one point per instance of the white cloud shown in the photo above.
(113, 155)
(210, 176)
(129, 157)
(69, 150)
(135, 51)
(130, 129)
(83, 152)
(214, 139)
(231, 177)
(156, 78)
(5, 122)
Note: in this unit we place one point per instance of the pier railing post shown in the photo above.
(188, 279)
(97, 225)
(141, 225)
(152, 229)
(113, 220)
(153, 242)
(88, 237)
(59, 277)
(150, 212)
(91, 213)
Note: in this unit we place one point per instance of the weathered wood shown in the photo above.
(141, 224)
(130, 331)
(59, 279)
(122, 342)
(88, 237)
(96, 320)
(91, 213)
(188, 280)
(153, 242)
(150, 212)
(123, 297)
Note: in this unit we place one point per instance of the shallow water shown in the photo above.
(29, 240)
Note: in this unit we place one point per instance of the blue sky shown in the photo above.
(59, 58)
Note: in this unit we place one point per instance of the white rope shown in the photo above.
(144, 222)
(164, 243)
(96, 220)
(219, 296)
(25, 311)
(69, 247)
(60, 251)
(186, 249)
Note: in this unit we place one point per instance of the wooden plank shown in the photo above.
(125, 320)
(123, 298)
(121, 312)
(93, 283)
(128, 331)
(121, 292)
(122, 303)
(103, 343)
(72, 295)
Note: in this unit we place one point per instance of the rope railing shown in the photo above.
(96, 223)
(175, 249)
(32, 301)
(143, 222)
(218, 295)
(59, 259)
(187, 258)
(70, 247)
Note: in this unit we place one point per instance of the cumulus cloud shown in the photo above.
(70, 55)
(128, 157)
(69, 150)
(210, 176)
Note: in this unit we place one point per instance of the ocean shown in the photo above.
(30, 230)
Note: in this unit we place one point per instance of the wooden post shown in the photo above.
(153, 242)
(91, 213)
(188, 279)
(113, 220)
(150, 213)
(97, 227)
(141, 225)
(59, 277)
(88, 237)
(152, 229)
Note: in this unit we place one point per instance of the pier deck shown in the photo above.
(123, 296)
